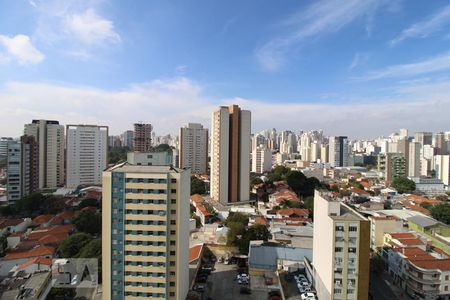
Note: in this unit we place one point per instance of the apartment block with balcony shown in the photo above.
(341, 246)
(145, 244)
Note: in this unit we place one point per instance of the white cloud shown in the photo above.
(169, 104)
(425, 28)
(321, 18)
(430, 65)
(20, 49)
(91, 28)
(358, 59)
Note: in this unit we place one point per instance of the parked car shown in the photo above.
(245, 290)
(199, 287)
(220, 260)
(308, 296)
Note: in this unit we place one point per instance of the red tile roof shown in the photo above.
(42, 219)
(41, 232)
(4, 223)
(415, 207)
(89, 208)
(261, 220)
(37, 260)
(195, 252)
(35, 252)
(293, 211)
(358, 191)
(285, 194)
(197, 198)
(403, 235)
(440, 264)
(420, 200)
(411, 242)
(203, 210)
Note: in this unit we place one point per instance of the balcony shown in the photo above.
(425, 279)
(423, 289)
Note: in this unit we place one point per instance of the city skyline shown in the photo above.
(388, 66)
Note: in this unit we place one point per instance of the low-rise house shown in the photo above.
(13, 225)
(380, 225)
(37, 264)
(293, 213)
(20, 257)
(42, 220)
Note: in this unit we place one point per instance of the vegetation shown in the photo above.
(88, 202)
(72, 245)
(240, 235)
(403, 185)
(441, 213)
(290, 204)
(254, 233)
(377, 263)
(254, 181)
(33, 205)
(163, 148)
(93, 249)
(117, 154)
(388, 204)
(309, 204)
(443, 198)
(297, 181)
(89, 222)
(197, 186)
(61, 294)
(3, 244)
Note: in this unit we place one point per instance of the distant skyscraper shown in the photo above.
(194, 148)
(87, 154)
(145, 240)
(424, 138)
(23, 168)
(442, 168)
(261, 160)
(230, 154)
(4, 146)
(49, 136)
(142, 137)
(338, 151)
(440, 144)
(341, 250)
(403, 133)
(128, 139)
(414, 159)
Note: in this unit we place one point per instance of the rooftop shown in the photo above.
(265, 255)
(423, 221)
(125, 167)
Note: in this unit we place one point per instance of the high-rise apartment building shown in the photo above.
(194, 148)
(392, 165)
(4, 146)
(414, 159)
(128, 139)
(87, 154)
(261, 160)
(440, 143)
(424, 138)
(341, 249)
(142, 137)
(338, 151)
(23, 168)
(442, 168)
(49, 136)
(145, 225)
(230, 154)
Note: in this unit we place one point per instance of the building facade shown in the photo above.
(49, 136)
(338, 151)
(194, 148)
(142, 137)
(442, 168)
(145, 245)
(341, 249)
(261, 160)
(87, 154)
(230, 154)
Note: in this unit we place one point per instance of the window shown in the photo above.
(352, 250)
(173, 222)
(172, 263)
(338, 249)
(339, 228)
(337, 291)
(173, 211)
(173, 191)
(172, 232)
(446, 288)
(173, 201)
(172, 283)
(172, 243)
(352, 228)
(172, 252)
(172, 294)
(173, 180)
(172, 273)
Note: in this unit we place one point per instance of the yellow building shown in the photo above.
(341, 247)
(145, 241)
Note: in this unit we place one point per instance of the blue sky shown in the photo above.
(299, 65)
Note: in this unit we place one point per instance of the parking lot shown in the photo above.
(221, 284)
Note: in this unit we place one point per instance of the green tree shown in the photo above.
(93, 249)
(309, 205)
(426, 205)
(88, 202)
(441, 213)
(388, 204)
(117, 154)
(3, 244)
(254, 181)
(197, 186)
(71, 246)
(278, 173)
(403, 185)
(163, 148)
(235, 232)
(443, 198)
(61, 294)
(89, 222)
(237, 217)
(255, 232)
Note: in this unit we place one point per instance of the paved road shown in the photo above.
(221, 285)
(381, 287)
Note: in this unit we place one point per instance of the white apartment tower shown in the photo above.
(194, 148)
(261, 160)
(414, 159)
(49, 136)
(341, 249)
(87, 154)
(442, 166)
(230, 154)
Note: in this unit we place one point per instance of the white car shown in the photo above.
(308, 296)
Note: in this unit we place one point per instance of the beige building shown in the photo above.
(442, 167)
(194, 148)
(230, 154)
(381, 225)
(145, 223)
(261, 160)
(341, 247)
(49, 136)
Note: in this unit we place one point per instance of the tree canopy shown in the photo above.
(253, 233)
(117, 154)
(71, 246)
(88, 222)
(441, 213)
(403, 185)
(163, 148)
(197, 186)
